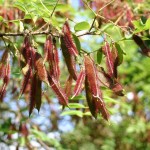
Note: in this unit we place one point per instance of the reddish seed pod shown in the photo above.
(26, 81)
(55, 62)
(109, 59)
(70, 62)
(91, 74)
(62, 97)
(69, 43)
(79, 83)
(40, 68)
(68, 86)
(48, 49)
(33, 94)
(141, 44)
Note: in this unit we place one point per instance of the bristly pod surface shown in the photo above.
(79, 83)
(69, 59)
(93, 91)
(4, 73)
(68, 40)
(145, 50)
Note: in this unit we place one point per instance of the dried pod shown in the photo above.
(141, 44)
(33, 94)
(40, 68)
(38, 95)
(69, 60)
(26, 79)
(62, 97)
(79, 83)
(3, 63)
(68, 86)
(56, 61)
(95, 104)
(117, 88)
(89, 98)
(6, 75)
(69, 43)
(109, 59)
(48, 49)
(91, 74)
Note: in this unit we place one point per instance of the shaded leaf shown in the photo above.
(82, 26)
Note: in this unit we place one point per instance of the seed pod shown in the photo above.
(56, 61)
(62, 97)
(109, 59)
(69, 43)
(95, 104)
(68, 86)
(26, 79)
(89, 98)
(69, 60)
(48, 49)
(91, 74)
(38, 95)
(117, 88)
(33, 94)
(6, 79)
(40, 68)
(3, 63)
(141, 44)
(79, 83)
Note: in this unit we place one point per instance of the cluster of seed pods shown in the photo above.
(90, 78)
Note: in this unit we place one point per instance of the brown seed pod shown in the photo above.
(91, 74)
(40, 68)
(62, 97)
(96, 104)
(56, 61)
(109, 59)
(33, 93)
(142, 45)
(79, 83)
(68, 86)
(5, 74)
(26, 79)
(68, 40)
(69, 60)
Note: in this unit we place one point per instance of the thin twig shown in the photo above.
(54, 8)
(96, 15)
(22, 34)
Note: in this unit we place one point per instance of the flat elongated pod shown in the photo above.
(68, 40)
(109, 59)
(79, 83)
(62, 97)
(70, 62)
(91, 74)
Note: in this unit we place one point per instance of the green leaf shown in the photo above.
(114, 32)
(20, 6)
(99, 56)
(87, 114)
(77, 42)
(76, 105)
(120, 53)
(79, 97)
(82, 26)
(72, 112)
(1, 18)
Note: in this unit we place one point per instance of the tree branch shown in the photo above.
(22, 34)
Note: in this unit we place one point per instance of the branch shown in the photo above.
(22, 34)
(54, 8)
